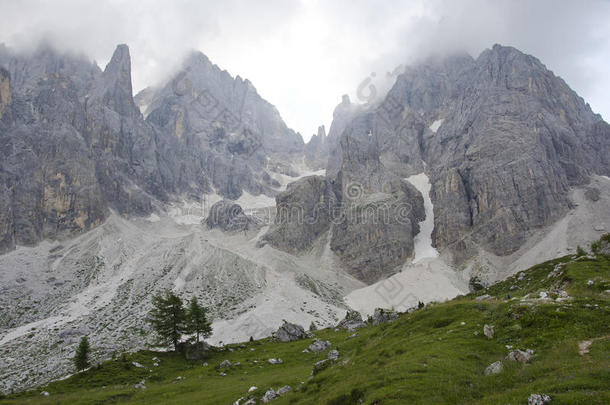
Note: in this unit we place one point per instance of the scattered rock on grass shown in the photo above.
(321, 365)
(275, 361)
(383, 315)
(270, 395)
(319, 346)
(520, 355)
(45, 393)
(289, 332)
(333, 355)
(488, 330)
(538, 399)
(352, 321)
(225, 364)
(284, 389)
(494, 368)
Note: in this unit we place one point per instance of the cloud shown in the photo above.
(303, 55)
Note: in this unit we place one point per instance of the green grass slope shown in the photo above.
(433, 355)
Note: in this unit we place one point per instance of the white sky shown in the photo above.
(302, 55)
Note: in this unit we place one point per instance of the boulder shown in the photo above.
(320, 365)
(195, 351)
(352, 321)
(319, 346)
(269, 396)
(383, 315)
(538, 399)
(488, 330)
(333, 355)
(275, 361)
(228, 216)
(289, 332)
(494, 368)
(520, 356)
(225, 364)
(284, 389)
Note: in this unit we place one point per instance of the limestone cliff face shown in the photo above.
(222, 123)
(502, 138)
(303, 212)
(316, 150)
(48, 180)
(74, 144)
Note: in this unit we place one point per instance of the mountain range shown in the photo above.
(466, 171)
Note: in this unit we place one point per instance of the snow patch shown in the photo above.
(435, 125)
(426, 281)
(423, 240)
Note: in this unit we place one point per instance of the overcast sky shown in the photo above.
(302, 55)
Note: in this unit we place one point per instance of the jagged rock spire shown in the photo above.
(117, 82)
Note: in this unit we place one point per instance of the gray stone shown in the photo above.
(269, 396)
(289, 332)
(285, 389)
(494, 368)
(275, 361)
(333, 355)
(538, 399)
(319, 346)
(383, 315)
(320, 365)
(225, 364)
(352, 321)
(229, 216)
(520, 356)
(488, 330)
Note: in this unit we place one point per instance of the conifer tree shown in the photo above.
(197, 320)
(168, 318)
(81, 358)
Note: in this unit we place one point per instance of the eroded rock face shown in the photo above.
(316, 150)
(502, 139)
(74, 142)
(303, 212)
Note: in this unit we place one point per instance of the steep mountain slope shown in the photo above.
(502, 139)
(74, 143)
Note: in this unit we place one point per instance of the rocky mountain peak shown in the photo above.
(117, 88)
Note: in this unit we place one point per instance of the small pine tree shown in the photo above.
(580, 251)
(420, 305)
(168, 318)
(197, 322)
(81, 358)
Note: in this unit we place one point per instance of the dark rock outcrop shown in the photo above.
(316, 150)
(352, 321)
(303, 212)
(290, 332)
(228, 216)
